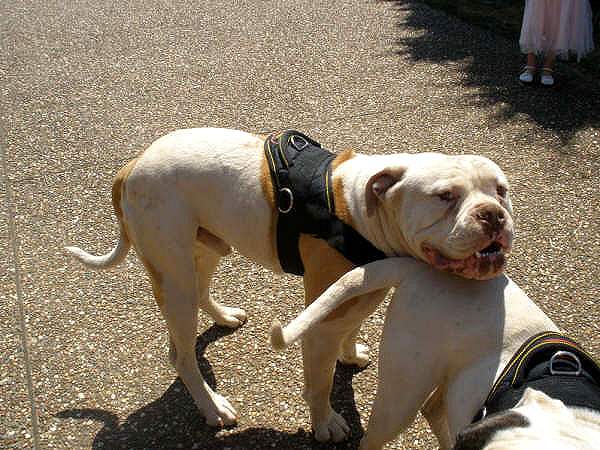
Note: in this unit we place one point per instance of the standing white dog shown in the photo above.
(447, 349)
(195, 193)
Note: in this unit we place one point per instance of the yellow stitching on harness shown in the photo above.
(513, 362)
(272, 161)
(282, 155)
(327, 190)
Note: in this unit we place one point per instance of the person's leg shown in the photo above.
(529, 71)
(547, 78)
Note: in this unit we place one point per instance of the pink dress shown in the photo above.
(564, 26)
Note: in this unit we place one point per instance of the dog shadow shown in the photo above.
(491, 63)
(172, 421)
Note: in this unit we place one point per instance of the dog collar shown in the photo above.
(548, 362)
(301, 174)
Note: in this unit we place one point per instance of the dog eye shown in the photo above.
(501, 191)
(446, 196)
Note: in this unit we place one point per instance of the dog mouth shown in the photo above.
(484, 264)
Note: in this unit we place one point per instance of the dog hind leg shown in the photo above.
(179, 307)
(206, 263)
(166, 248)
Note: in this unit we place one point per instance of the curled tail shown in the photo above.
(350, 285)
(382, 274)
(120, 251)
(102, 262)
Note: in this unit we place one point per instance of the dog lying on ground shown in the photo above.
(447, 349)
(194, 194)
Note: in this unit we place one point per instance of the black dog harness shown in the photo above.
(551, 363)
(301, 173)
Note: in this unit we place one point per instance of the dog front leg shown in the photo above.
(320, 350)
(407, 376)
(435, 410)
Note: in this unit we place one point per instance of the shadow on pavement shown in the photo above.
(172, 421)
(492, 63)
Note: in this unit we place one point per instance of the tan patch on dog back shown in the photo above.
(262, 137)
(341, 207)
(266, 183)
(119, 186)
(342, 157)
(118, 191)
(323, 266)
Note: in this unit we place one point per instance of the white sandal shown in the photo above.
(547, 79)
(527, 74)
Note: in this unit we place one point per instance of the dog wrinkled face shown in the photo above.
(454, 212)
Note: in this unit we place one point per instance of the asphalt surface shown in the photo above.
(86, 85)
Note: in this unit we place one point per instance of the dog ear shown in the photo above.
(378, 185)
(476, 436)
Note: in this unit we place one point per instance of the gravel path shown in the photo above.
(86, 85)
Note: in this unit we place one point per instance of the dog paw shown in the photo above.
(231, 317)
(220, 413)
(359, 357)
(333, 429)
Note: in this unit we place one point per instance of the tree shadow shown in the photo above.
(172, 421)
(491, 63)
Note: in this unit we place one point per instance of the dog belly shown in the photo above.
(206, 178)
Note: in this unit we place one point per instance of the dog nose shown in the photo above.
(491, 218)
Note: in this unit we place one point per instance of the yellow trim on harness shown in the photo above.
(513, 362)
(523, 354)
(282, 154)
(272, 161)
(552, 341)
(327, 193)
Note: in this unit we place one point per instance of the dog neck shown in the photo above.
(378, 228)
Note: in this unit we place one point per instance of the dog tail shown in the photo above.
(105, 261)
(122, 248)
(371, 277)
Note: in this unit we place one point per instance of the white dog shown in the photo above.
(446, 350)
(194, 194)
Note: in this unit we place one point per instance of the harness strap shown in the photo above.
(552, 363)
(301, 173)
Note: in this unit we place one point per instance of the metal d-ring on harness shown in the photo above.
(551, 363)
(301, 174)
(285, 196)
(285, 200)
(568, 358)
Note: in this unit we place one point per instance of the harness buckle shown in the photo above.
(300, 145)
(568, 359)
(285, 200)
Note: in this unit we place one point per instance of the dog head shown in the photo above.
(536, 422)
(453, 212)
